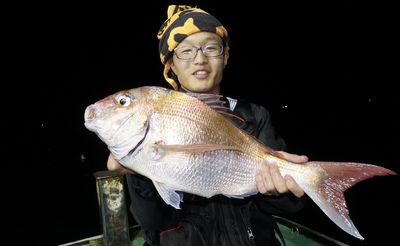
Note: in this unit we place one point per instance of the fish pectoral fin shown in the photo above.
(155, 151)
(158, 150)
(168, 194)
(198, 148)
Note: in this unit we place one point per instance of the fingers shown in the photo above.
(293, 186)
(115, 166)
(264, 181)
(270, 181)
(293, 157)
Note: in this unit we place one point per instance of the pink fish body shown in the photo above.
(185, 143)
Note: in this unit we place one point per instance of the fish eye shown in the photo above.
(124, 100)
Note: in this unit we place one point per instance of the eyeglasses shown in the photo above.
(190, 52)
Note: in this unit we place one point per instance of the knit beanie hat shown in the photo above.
(182, 22)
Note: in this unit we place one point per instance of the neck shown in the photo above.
(216, 90)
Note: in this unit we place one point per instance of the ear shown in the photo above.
(226, 57)
(171, 65)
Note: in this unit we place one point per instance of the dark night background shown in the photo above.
(327, 73)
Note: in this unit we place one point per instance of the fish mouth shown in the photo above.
(113, 134)
(89, 116)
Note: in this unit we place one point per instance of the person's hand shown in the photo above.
(270, 181)
(115, 166)
(292, 157)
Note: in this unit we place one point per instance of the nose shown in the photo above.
(199, 56)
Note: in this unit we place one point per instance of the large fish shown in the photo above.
(184, 142)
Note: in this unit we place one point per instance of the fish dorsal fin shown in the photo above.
(208, 99)
(213, 101)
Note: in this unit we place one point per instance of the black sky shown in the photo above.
(335, 67)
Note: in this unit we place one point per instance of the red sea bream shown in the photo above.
(185, 143)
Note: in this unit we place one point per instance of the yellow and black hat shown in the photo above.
(182, 22)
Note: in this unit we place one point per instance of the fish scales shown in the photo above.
(184, 142)
(202, 127)
(222, 161)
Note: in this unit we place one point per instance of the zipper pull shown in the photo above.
(250, 233)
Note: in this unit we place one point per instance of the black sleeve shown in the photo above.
(264, 129)
(266, 133)
(282, 204)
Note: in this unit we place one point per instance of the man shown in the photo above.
(194, 48)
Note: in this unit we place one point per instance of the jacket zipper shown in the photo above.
(250, 233)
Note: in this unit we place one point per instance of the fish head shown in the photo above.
(120, 120)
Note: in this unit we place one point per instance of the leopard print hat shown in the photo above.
(182, 22)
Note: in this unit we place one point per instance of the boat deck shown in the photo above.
(294, 234)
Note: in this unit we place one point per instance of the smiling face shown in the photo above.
(201, 74)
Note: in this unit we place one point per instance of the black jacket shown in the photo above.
(218, 220)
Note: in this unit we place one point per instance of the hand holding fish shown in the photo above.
(115, 166)
(271, 182)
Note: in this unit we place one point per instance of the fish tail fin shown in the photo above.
(334, 179)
